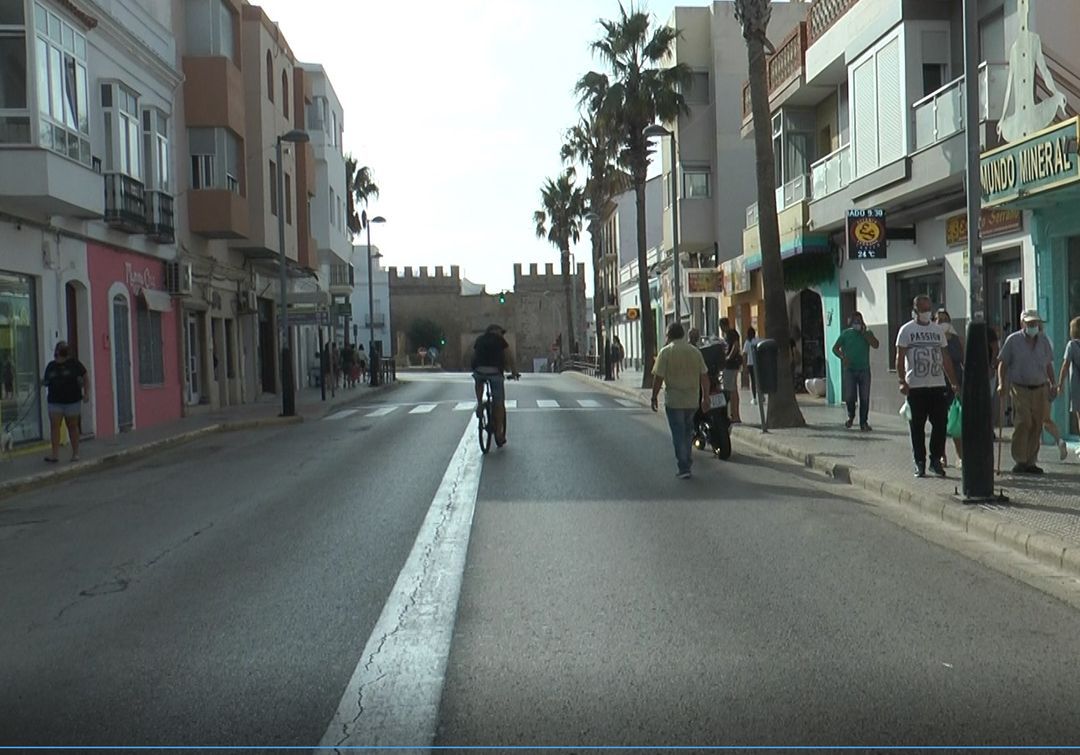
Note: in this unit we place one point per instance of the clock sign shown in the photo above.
(866, 234)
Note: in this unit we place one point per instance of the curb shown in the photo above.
(1037, 545)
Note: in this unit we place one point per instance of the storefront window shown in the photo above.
(1074, 278)
(20, 395)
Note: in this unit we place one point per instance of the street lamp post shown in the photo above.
(288, 394)
(373, 372)
(657, 130)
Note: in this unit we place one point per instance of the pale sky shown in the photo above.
(460, 109)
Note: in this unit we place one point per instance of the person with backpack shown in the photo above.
(1071, 365)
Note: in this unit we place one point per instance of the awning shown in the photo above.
(158, 301)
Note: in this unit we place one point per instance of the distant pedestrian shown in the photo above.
(853, 348)
(749, 344)
(67, 387)
(1070, 365)
(361, 362)
(681, 370)
(925, 373)
(1026, 372)
(335, 363)
(617, 355)
(733, 362)
(8, 380)
(955, 346)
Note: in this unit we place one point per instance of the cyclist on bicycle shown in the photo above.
(491, 358)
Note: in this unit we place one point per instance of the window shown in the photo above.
(288, 199)
(877, 101)
(14, 112)
(273, 189)
(697, 91)
(215, 159)
(333, 204)
(269, 76)
(63, 91)
(151, 361)
(211, 29)
(285, 94)
(933, 77)
(696, 184)
(120, 108)
(156, 150)
(334, 128)
(314, 114)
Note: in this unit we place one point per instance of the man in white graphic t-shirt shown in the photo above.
(923, 366)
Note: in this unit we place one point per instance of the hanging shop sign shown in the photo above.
(866, 235)
(991, 223)
(1044, 161)
(704, 282)
(633, 314)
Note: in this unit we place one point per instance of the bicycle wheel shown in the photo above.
(486, 426)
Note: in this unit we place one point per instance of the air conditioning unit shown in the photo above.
(178, 277)
(249, 302)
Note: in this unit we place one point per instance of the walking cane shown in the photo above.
(1001, 432)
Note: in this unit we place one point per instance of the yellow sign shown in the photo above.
(867, 231)
(633, 313)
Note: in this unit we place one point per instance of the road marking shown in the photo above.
(627, 403)
(393, 696)
(511, 403)
(465, 406)
(381, 412)
(546, 403)
(588, 403)
(424, 409)
(341, 415)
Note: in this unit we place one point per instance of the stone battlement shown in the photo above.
(424, 279)
(549, 280)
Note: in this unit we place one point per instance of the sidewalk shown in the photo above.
(25, 468)
(1041, 518)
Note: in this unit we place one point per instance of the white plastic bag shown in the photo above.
(905, 411)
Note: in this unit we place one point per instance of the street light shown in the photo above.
(373, 373)
(288, 395)
(658, 131)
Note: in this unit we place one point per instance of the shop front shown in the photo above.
(20, 365)
(135, 342)
(1042, 174)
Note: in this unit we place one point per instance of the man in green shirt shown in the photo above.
(681, 367)
(853, 348)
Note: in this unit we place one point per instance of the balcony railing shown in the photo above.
(125, 203)
(791, 193)
(831, 173)
(823, 14)
(782, 68)
(940, 114)
(342, 275)
(160, 224)
(378, 322)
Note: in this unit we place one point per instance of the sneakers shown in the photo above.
(753, 402)
(1063, 450)
(849, 423)
(865, 428)
(684, 475)
(937, 469)
(920, 470)
(1027, 469)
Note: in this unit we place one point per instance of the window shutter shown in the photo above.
(890, 116)
(864, 98)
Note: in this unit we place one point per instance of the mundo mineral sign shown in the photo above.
(1044, 161)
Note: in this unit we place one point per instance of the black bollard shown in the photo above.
(978, 420)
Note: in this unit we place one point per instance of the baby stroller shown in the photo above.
(712, 429)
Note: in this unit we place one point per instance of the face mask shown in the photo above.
(856, 326)
(922, 317)
(1032, 331)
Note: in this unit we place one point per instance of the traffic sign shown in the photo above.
(633, 313)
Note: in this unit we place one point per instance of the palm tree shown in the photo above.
(754, 17)
(638, 92)
(594, 146)
(559, 220)
(360, 187)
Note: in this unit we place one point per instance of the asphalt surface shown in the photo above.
(221, 593)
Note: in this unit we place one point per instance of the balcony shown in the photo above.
(378, 322)
(160, 222)
(342, 279)
(831, 173)
(214, 93)
(823, 14)
(218, 214)
(783, 68)
(125, 203)
(940, 114)
(788, 195)
(40, 182)
(609, 303)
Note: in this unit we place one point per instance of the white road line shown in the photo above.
(465, 406)
(381, 412)
(424, 409)
(628, 403)
(393, 696)
(588, 403)
(511, 403)
(341, 415)
(546, 403)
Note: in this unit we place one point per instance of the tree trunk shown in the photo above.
(568, 336)
(599, 299)
(782, 407)
(648, 322)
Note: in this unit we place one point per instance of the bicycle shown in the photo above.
(485, 421)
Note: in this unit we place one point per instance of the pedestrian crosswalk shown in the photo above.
(426, 408)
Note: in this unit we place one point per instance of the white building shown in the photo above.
(365, 328)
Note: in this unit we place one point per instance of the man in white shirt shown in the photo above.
(923, 366)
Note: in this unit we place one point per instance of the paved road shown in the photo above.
(223, 593)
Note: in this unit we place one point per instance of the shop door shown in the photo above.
(847, 307)
(1004, 292)
(266, 348)
(71, 298)
(122, 363)
(813, 334)
(192, 373)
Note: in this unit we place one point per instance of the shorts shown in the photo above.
(66, 410)
(730, 379)
(498, 383)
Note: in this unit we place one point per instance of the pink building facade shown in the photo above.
(135, 342)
